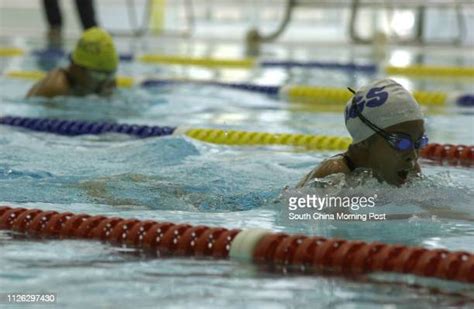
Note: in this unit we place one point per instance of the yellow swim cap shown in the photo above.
(95, 50)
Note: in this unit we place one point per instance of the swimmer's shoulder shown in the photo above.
(55, 83)
(333, 165)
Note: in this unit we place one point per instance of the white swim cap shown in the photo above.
(384, 103)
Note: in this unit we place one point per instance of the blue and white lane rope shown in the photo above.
(59, 53)
(349, 66)
(269, 90)
(76, 127)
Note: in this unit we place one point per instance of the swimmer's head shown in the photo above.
(387, 127)
(95, 50)
(94, 62)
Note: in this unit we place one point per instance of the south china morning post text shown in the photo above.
(311, 207)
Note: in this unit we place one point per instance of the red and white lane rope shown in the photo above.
(299, 252)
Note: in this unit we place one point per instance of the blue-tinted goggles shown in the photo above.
(100, 76)
(403, 142)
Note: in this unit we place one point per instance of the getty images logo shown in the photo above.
(375, 97)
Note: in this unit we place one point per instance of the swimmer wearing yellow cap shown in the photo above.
(387, 129)
(92, 69)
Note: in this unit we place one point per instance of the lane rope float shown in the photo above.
(465, 100)
(431, 70)
(298, 253)
(199, 61)
(451, 154)
(348, 66)
(58, 53)
(76, 127)
(241, 138)
(269, 90)
(332, 95)
(11, 52)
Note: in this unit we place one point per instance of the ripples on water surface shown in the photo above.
(181, 180)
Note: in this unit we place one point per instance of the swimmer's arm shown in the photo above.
(327, 167)
(53, 84)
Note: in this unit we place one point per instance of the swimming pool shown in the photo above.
(182, 180)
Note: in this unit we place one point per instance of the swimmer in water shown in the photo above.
(92, 68)
(387, 130)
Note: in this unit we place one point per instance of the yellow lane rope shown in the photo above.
(199, 61)
(431, 70)
(242, 138)
(331, 96)
(11, 52)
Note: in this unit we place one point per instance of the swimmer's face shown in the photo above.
(90, 81)
(389, 164)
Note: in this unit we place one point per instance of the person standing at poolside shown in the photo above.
(92, 69)
(53, 15)
(387, 130)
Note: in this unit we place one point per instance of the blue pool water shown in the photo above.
(178, 179)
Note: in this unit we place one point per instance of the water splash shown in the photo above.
(424, 208)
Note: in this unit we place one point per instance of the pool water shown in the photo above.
(179, 179)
